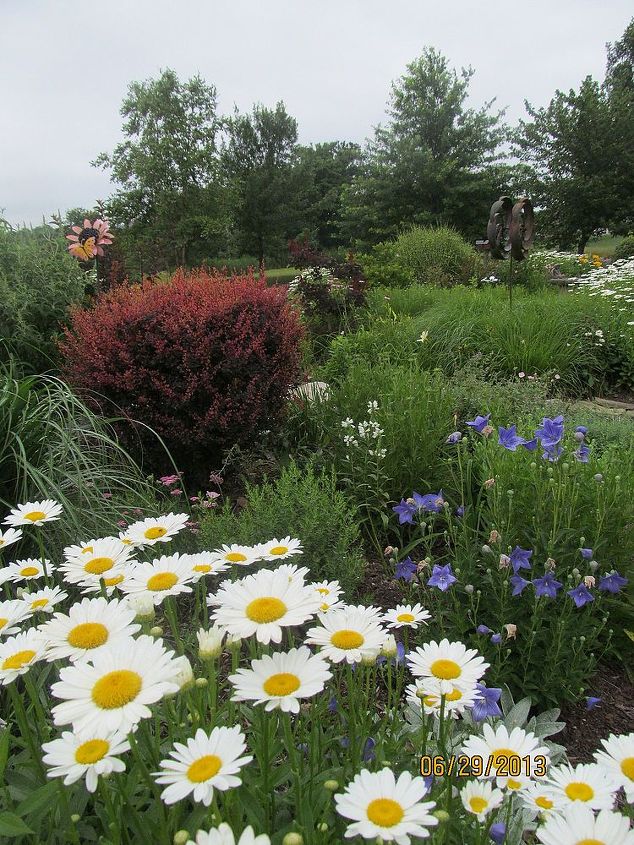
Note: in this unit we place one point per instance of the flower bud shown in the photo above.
(331, 785)
(576, 572)
(201, 682)
(293, 839)
(598, 477)
(322, 827)
(594, 565)
(388, 551)
(505, 562)
(442, 816)
(533, 465)
(369, 657)
(156, 631)
(469, 589)
(494, 536)
(143, 606)
(486, 550)
(181, 837)
(184, 675)
(75, 818)
(389, 646)
(210, 642)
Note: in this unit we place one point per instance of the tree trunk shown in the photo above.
(583, 240)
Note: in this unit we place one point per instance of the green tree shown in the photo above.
(431, 163)
(619, 83)
(167, 168)
(258, 156)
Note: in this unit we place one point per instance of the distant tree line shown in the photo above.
(192, 185)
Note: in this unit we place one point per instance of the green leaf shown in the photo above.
(518, 714)
(12, 825)
(37, 800)
(4, 750)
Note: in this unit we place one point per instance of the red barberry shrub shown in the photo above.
(205, 360)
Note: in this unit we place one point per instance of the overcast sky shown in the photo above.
(65, 66)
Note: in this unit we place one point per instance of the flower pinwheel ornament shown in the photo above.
(88, 240)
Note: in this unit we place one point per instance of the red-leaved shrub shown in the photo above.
(204, 360)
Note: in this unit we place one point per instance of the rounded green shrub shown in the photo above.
(625, 249)
(436, 256)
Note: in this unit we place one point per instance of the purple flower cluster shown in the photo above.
(407, 509)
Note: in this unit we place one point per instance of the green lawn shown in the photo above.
(604, 246)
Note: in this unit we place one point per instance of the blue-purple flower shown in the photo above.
(483, 629)
(518, 584)
(612, 583)
(460, 511)
(509, 438)
(405, 569)
(368, 750)
(530, 445)
(520, 559)
(587, 554)
(497, 832)
(547, 585)
(486, 703)
(552, 453)
(406, 512)
(550, 432)
(592, 701)
(479, 423)
(496, 639)
(454, 437)
(433, 502)
(442, 577)
(582, 453)
(581, 595)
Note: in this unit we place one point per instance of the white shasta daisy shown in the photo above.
(116, 686)
(168, 575)
(111, 581)
(237, 554)
(382, 806)
(427, 692)
(262, 604)
(26, 570)
(327, 589)
(10, 536)
(43, 600)
(148, 532)
(406, 616)
(281, 679)
(223, 835)
(12, 613)
(617, 757)
(452, 663)
(279, 549)
(98, 559)
(504, 749)
(88, 753)
(19, 653)
(206, 762)
(479, 797)
(578, 826)
(205, 563)
(294, 572)
(34, 513)
(538, 799)
(350, 634)
(588, 783)
(89, 627)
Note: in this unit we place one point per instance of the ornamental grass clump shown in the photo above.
(204, 360)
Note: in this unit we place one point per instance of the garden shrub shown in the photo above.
(436, 256)
(625, 249)
(304, 503)
(39, 280)
(204, 360)
(381, 267)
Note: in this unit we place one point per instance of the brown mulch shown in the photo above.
(613, 715)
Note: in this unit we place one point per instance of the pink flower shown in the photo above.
(122, 523)
(212, 495)
(194, 499)
(107, 495)
(88, 240)
(168, 480)
(176, 492)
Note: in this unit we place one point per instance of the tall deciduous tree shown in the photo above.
(258, 156)
(431, 162)
(167, 166)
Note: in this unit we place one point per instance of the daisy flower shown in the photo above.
(280, 549)
(327, 589)
(11, 614)
(578, 826)
(112, 581)
(406, 616)
(148, 532)
(34, 513)
(452, 663)
(43, 600)
(328, 603)
(263, 604)
(88, 753)
(281, 679)
(538, 799)
(205, 763)
(169, 575)
(115, 687)
(10, 536)
(618, 760)
(349, 634)
(97, 559)
(26, 570)
(294, 572)
(205, 563)
(479, 797)
(587, 782)
(426, 692)
(223, 835)
(503, 747)
(90, 626)
(19, 653)
(381, 806)
(210, 642)
(237, 554)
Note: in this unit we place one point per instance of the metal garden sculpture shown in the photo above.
(510, 232)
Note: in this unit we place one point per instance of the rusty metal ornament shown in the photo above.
(522, 229)
(510, 230)
(498, 227)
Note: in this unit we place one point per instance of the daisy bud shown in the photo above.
(75, 818)
(156, 631)
(322, 827)
(293, 839)
(576, 572)
(184, 674)
(331, 785)
(441, 815)
(489, 483)
(594, 565)
(181, 837)
(598, 477)
(589, 581)
(201, 682)
(486, 550)
(233, 642)
(369, 658)
(389, 646)
(143, 606)
(469, 589)
(494, 536)
(210, 642)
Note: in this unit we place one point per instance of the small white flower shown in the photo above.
(617, 758)
(223, 835)
(43, 600)
(88, 753)
(12, 613)
(148, 532)
(479, 798)
(19, 653)
(34, 513)
(210, 642)
(280, 549)
(406, 616)
(10, 536)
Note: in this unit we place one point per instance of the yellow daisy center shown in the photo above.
(284, 683)
(346, 639)
(29, 571)
(88, 550)
(98, 565)
(627, 767)
(447, 670)
(278, 550)
(405, 617)
(155, 532)
(478, 804)
(385, 812)
(87, 635)
(19, 659)
(38, 603)
(116, 689)
(266, 609)
(204, 768)
(126, 541)
(3, 622)
(591, 842)
(35, 516)
(502, 757)
(1, 541)
(162, 581)
(513, 784)
(235, 557)
(202, 567)
(112, 582)
(454, 695)
(430, 700)
(324, 607)
(577, 791)
(91, 751)
(323, 590)
(544, 803)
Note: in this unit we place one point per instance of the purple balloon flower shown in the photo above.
(586, 554)
(368, 750)
(581, 429)
(612, 583)
(496, 639)
(479, 423)
(454, 437)
(547, 585)
(497, 832)
(550, 432)
(405, 569)
(581, 595)
(530, 445)
(592, 701)
(552, 453)
(429, 502)
(582, 454)
(442, 577)
(483, 629)
(520, 559)
(486, 703)
(406, 512)
(460, 511)
(509, 438)
(519, 584)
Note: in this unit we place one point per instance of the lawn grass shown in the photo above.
(604, 246)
